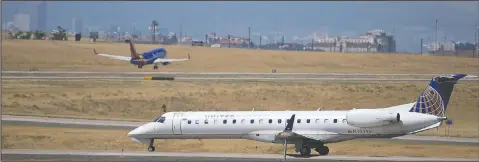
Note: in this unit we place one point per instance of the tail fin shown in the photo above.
(133, 50)
(435, 97)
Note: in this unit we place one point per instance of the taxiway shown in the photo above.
(80, 155)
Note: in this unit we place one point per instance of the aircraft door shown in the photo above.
(177, 123)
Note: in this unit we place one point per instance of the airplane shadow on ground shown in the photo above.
(300, 156)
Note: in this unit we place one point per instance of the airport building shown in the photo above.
(372, 41)
(465, 49)
(227, 41)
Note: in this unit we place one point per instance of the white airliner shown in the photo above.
(312, 129)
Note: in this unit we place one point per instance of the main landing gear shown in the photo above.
(151, 148)
(323, 150)
(306, 151)
(140, 66)
(155, 67)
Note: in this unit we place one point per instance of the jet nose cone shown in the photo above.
(132, 133)
(143, 131)
(137, 132)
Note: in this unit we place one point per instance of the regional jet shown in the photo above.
(154, 56)
(306, 129)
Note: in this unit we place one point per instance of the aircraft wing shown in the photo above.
(124, 58)
(289, 134)
(171, 60)
(316, 135)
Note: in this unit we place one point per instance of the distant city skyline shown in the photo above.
(411, 21)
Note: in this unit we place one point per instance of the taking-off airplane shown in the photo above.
(154, 56)
(312, 129)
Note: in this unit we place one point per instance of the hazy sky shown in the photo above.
(414, 20)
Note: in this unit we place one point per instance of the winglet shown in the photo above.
(289, 127)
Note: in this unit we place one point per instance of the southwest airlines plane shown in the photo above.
(154, 56)
(306, 129)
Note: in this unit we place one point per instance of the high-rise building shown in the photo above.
(77, 25)
(22, 21)
(42, 16)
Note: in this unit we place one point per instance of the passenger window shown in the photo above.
(299, 120)
(344, 121)
(307, 120)
(234, 121)
(242, 121)
(189, 121)
(325, 120)
(261, 121)
(270, 121)
(206, 121)
(279, 121)
(335, 120)
(224, 121)
(197, 122)
(252, 121)
(317, 121)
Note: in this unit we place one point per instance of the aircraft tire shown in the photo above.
(323, 150)
(305, 151)
(155, 67)
(151, 148)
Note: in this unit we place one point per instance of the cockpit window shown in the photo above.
(156, 119)
(160, 119)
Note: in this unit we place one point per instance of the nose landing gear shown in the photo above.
(151, 148)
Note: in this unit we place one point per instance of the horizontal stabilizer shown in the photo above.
(438, 124)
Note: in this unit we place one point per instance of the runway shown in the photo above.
(128, 125)
(214, 73)
(80, 156)
(221, 76)
(217, 79)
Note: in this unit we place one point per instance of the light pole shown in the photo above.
(421, 46)
(435, 40)
(249, 37)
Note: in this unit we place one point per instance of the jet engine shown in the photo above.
(371, 118)
(165, 63)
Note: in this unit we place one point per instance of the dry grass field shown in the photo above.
(15, 137)
(67, 55)
(142, 100)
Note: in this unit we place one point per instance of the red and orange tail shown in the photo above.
(133, 50)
